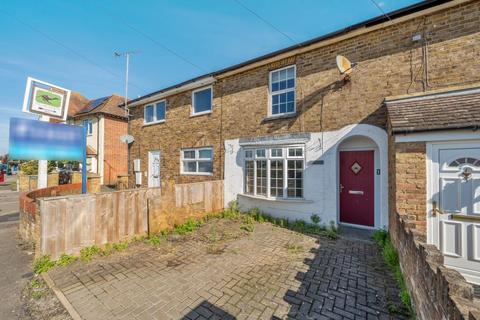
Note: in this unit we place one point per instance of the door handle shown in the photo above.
(341, 188)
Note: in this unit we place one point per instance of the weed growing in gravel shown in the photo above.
(87, 254)
(155, 240)
(35, 283)
(213, 234)
(189, 226)
(390, 256)
(66, 259)
(43, 264)
(120, 246)
(36, 295)
(248, 223)
(294, 248)
(301, 226)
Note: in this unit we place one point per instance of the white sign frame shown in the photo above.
(35, 107)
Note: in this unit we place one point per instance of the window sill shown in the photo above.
(196, 173)
(200, 114)
(287, 200)
(280, 116)
(146, 124)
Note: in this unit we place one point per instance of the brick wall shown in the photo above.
(116, 152)
(410, 194)
(28, 226)
(389, 64)
(437, 291)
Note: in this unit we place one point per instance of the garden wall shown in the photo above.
(437, 292)
(29, 209)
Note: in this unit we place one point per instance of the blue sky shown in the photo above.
(211, 34)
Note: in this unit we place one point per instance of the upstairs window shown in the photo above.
(282, 91)
(202, 101)
(87, 123)
(197, 161)
(154, 113)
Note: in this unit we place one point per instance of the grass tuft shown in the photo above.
(66, 259)
(155, 240)
(87, 253)
(390, 255)
(43, 264)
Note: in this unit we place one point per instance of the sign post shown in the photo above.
(42, 181)
(84, 161)
(47, 101)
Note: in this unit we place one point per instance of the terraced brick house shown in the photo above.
(291, 136)
(106, 122)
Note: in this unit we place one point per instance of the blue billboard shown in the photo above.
(38, 140)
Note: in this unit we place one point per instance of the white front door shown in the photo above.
(455, 191)
(154, 169)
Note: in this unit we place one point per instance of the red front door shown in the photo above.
(357, 187)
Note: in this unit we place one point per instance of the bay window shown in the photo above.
(275, 172)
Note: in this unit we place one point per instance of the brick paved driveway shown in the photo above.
(268, 274)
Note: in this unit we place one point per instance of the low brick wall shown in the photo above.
(29, 211)
(437, 292)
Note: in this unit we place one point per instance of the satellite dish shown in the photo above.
(127, 139)
(344, 65)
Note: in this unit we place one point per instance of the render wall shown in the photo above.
(320, 182)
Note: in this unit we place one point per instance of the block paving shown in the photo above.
(271, 273)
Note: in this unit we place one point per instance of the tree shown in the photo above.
(31, 167)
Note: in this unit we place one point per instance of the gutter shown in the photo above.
(474, 127)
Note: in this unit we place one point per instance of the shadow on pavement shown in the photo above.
(208, 311)
(346, 279)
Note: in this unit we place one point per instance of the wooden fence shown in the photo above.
(183, 201)
(70, 223)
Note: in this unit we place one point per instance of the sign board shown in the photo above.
(39, 140)
(46, 99)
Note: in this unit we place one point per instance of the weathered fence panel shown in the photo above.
(180, 202)
(68, 224)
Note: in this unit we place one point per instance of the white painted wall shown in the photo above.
(321, 181)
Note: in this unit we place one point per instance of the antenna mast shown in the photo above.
(127, 58)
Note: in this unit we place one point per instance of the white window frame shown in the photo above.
(197, 159)
(89, 126)
(268, 157)
(271, 93)
(192, 111)
(154, 105)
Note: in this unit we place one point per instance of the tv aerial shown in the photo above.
(345, 67)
